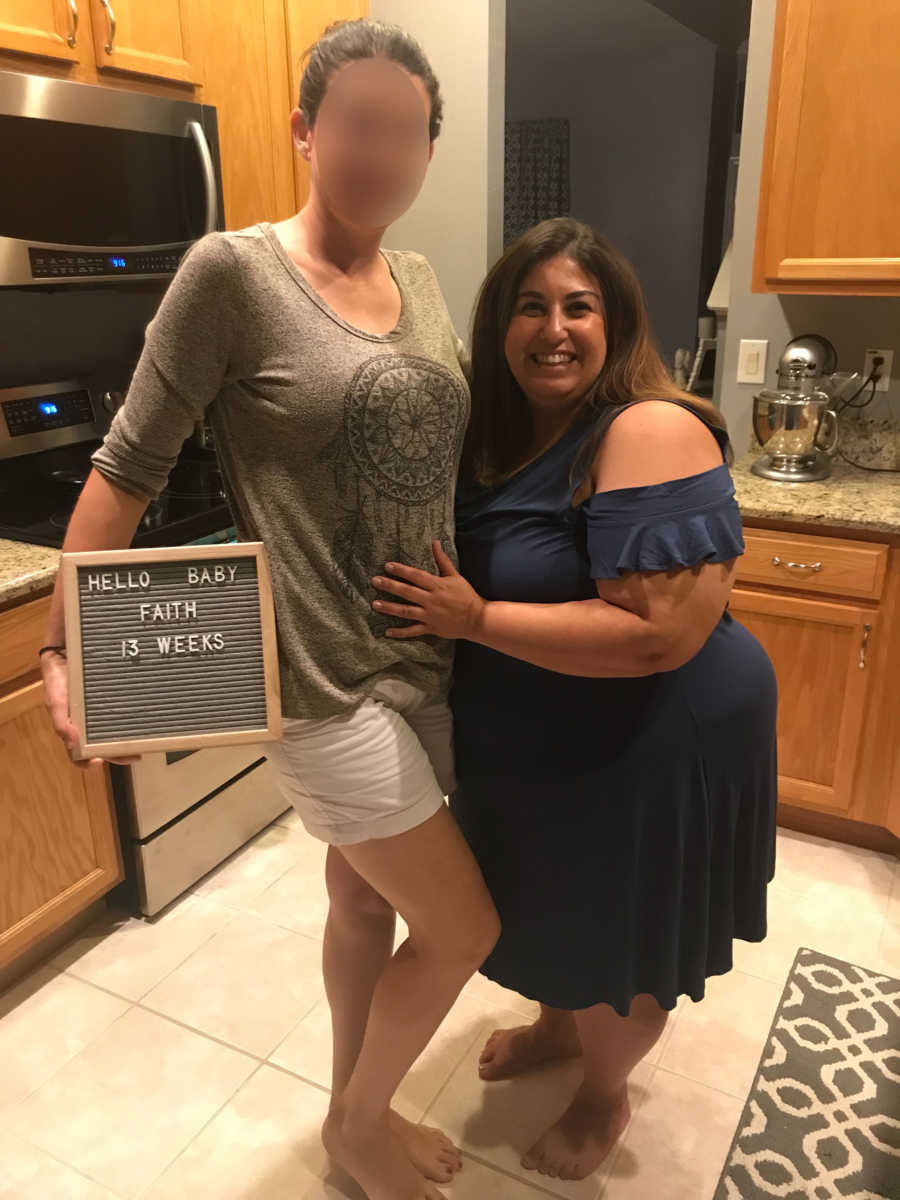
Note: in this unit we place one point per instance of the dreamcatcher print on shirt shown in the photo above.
(393, 460)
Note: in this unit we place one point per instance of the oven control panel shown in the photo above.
(82, 264)
(35, 414)
(44, 416)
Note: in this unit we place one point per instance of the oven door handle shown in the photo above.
(198, 136)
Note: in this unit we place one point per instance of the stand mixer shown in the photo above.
(795, 422)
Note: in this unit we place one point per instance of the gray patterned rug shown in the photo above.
(823, 1117)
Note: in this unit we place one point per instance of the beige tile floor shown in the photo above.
(189, 1057)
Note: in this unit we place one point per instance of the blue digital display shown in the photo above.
(48, 408)
(118, 263)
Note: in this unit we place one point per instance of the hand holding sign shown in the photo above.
(55, 674)
(171, 648)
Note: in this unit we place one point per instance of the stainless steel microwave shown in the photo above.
(101, 185)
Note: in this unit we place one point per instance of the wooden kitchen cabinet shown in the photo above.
(50, 28)
(820, 653)
(149, 38)
(827, 218)
(145, 37)
(58, 837)
(245, 67)
(827, 611)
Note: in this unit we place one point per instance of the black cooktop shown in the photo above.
(38, 493)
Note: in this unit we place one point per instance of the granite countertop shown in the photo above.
(849, 498)
(25, 571)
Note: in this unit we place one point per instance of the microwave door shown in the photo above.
(94, 201)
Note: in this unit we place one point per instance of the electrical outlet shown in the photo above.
(752, 361)
(884, 371)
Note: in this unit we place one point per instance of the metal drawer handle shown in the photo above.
(72, 39)
(111, 25)
(792, 566)
(864, 646)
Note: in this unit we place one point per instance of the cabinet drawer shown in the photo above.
(813, 564)
(21, 636)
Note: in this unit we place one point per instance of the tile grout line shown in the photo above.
(6, 1109)
(669, 1030)
(63, 1163)
(204, 943)
(237, 911)
(709, 1086)
(211, 1037)
(150, 1183)
(457, 1064)
(320, 1087)
(620, 1145)
(140, 1002)
(81, 979)
(235, 856)
(894, 893)
(535, 1187)
(765, 978)
(293, 1029)
(437, 1095)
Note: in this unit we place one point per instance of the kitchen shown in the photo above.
(94, 862)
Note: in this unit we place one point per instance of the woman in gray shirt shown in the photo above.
(331, 375)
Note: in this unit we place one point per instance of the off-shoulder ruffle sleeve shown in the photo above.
(681, 523)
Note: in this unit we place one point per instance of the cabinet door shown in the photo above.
(50, 28)
(145, 37)
(822, 657)
(57, 827)
(306, 21)
(831, 173)
(245, 40)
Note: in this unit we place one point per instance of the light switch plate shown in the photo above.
(752, 361)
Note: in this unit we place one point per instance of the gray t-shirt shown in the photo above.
(339, 448)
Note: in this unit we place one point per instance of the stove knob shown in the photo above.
(112, 401)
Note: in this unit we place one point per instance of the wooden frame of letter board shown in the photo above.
(162, 554)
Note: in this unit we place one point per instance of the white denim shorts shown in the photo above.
(374, 772)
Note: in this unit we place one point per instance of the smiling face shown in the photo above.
(370, 145)
(556, 341)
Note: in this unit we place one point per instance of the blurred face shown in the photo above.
(370, 146)
(556, 341)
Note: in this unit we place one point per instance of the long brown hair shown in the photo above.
(499, 434)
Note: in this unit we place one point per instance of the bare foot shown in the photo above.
(511, 1052)
(376, 1159)
(431, 1151)
(581, 1139)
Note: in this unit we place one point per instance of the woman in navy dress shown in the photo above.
(615, 726)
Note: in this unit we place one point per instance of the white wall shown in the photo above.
(850, 322)
(457, 222)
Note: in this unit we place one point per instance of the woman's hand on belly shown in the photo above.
(444, 605)
(648, 623)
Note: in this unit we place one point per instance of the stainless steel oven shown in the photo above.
(181, 814)
(101, 184)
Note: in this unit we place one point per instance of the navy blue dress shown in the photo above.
(625, 827)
